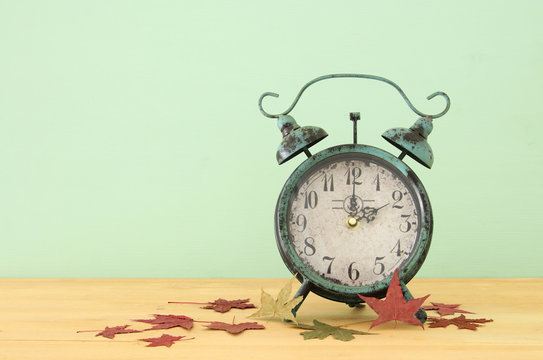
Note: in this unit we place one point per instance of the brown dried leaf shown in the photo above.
(168, 322)
(220, 305)
(223, 305)
(110, 332)
(235, 328)
(446, 309)
(164, 340)
(461, 322)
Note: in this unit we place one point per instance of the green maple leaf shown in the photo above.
(321, 330)
(280, 307)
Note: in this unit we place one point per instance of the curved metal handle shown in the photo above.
(362, 76)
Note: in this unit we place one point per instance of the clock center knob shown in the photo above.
(352, 223)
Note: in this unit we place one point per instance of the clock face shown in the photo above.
(353, 218)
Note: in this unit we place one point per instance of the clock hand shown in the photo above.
(370, 212)
(379, 208)
(352, 206)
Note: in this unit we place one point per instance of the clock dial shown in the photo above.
(353, 219)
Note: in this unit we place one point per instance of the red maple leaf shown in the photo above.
(394, 307)
(446, 309)
(168, 322)
(460, 321)
(235, 328)
(110, 332)
(164, 340)
(221, 305)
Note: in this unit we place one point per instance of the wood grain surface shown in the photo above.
(39, 319)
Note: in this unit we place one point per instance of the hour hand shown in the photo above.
(369, 213)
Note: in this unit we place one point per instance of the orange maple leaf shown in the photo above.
(394, 307)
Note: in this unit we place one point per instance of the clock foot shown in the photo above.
(356, 305)
(421, 314)
(302, 291)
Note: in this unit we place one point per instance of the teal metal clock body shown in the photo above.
(349, 216)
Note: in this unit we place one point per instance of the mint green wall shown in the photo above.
(131, 144)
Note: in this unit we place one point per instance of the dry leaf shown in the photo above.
(110, 332)
(235, 328)
(446, 309)
(394, 307)
(168, 322)
(221, 305)
(164, 340)
(280, 307)
(321, 330)
(461, 322)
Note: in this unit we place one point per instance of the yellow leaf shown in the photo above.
(280, 307)
(284, 293)
(267, 307)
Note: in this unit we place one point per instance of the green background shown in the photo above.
(131, 144)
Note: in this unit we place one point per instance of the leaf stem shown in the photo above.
(188, 302)
(82, 331)
(355, 323)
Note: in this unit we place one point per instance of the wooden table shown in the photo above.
(39, 319)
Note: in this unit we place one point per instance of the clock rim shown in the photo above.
(326, 288)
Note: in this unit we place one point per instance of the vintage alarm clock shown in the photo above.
(350, 215)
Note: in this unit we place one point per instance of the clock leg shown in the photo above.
(356, 305)
(302, 291)
(421, 314)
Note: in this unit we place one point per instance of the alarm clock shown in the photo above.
(352, 214)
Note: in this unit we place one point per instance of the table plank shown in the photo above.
(39, 319)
